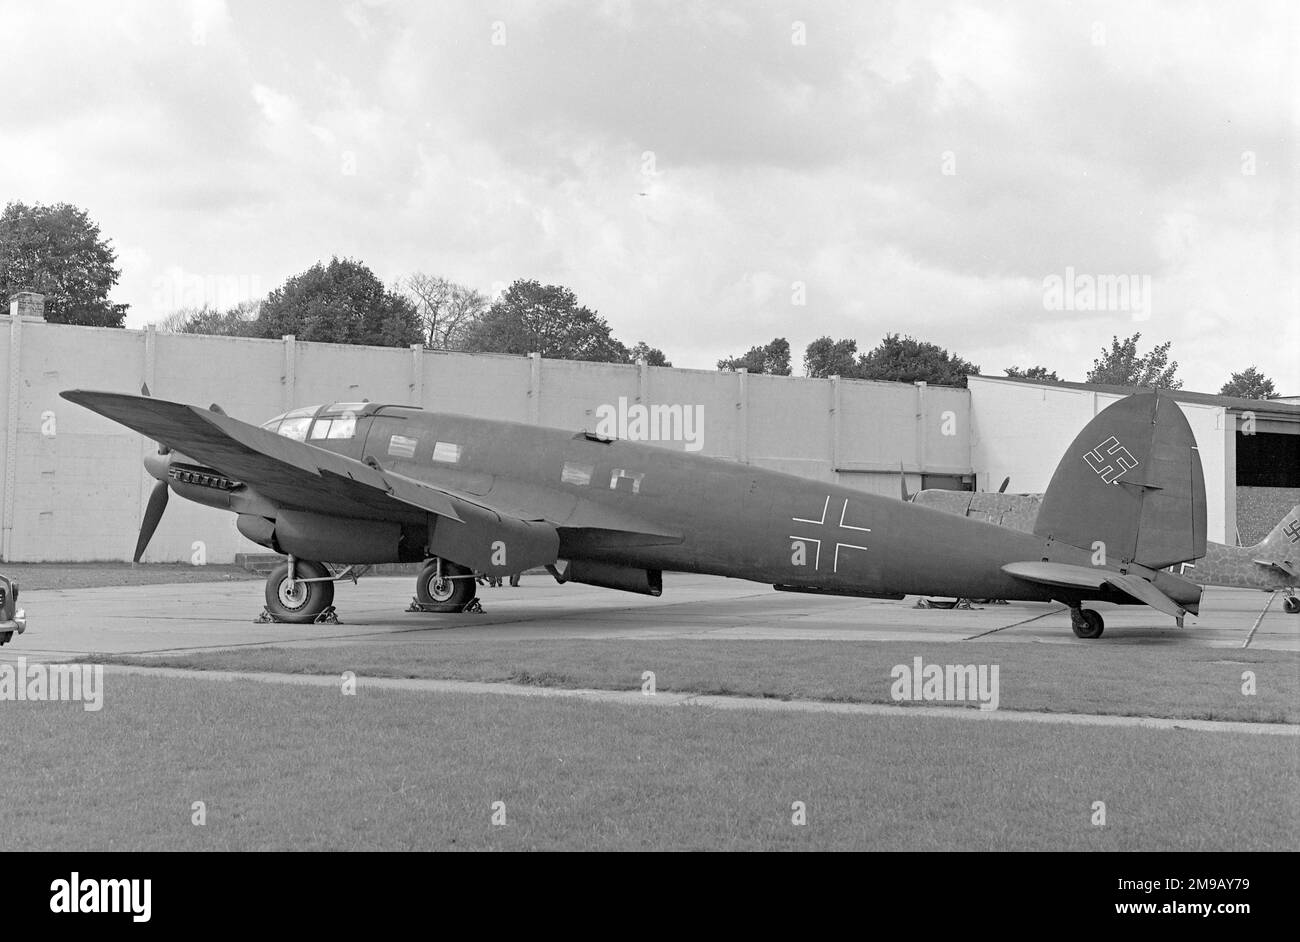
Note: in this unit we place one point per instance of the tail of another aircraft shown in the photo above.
(1283, 539)
(1132, 482)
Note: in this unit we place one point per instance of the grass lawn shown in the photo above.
(1165, 681)
(285, 767)
(31, 576)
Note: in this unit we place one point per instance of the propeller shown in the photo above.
(1005, 482)
(158, 467)
(902, 483)
(153, 511)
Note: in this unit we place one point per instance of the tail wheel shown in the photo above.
(1291, 605)
(1087, 623)
(299, 602)
(447, 591)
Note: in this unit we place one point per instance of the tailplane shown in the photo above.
(1131, 481)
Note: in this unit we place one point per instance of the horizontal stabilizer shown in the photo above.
(1062, 574)
(1282, 566)
(1144, 591)
(1086, 577)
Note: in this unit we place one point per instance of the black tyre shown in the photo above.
(302, 602)
(1291, 605)
(449, 593)
(1089, 624)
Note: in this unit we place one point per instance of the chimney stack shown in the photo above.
(28, 305)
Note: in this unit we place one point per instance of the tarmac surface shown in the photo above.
(202, 616)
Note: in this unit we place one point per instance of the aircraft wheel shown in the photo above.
(1088, 624)
(444, 594)
(301, 602)
(1291, 605)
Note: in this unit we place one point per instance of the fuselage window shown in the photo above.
(628, 479)
(343, 427)
(295, 428)
(292, 424)
(399, 446)
(337, 427)
(578, 474)
(446, 451)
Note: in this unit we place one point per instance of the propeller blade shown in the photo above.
(1005, 482)
(153, 512)
(902, 483)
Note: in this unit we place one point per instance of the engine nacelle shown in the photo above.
(607, 576)
(324, 538)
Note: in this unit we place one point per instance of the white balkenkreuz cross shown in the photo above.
(817, 559)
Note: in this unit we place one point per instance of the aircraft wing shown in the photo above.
(1086, 577)
(298, 476)
(293, 474)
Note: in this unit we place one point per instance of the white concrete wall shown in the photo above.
(1021, 430)
(79, 493)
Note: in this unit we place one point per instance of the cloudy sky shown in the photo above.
(705, 175)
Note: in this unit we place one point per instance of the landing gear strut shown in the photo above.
(298, 591)
(443, 586)
(1086, 622)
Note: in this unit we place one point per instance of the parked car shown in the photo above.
(12, 618)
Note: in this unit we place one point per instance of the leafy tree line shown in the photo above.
(345, 302)
(59, 251)
(906, 359)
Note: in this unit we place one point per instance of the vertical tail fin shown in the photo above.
(1131, 480)
(1286, 535)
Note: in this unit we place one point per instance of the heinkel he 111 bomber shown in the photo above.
(353, 484)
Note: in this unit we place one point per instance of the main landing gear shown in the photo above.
(301, 591)
(443, 586)
(1086, 622)
(1291, 604)
(302, 596)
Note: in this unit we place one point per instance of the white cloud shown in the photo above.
(248, 143)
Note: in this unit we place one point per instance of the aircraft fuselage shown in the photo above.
(684, 512)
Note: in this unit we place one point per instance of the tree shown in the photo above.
(825, 357)
(238, 321)
(447, 312)
(1250, 383)
(1034, 372)
(1121, 365)
(534, 318)
(907, 360)
(773, 359)
(653, 356)
(58, 251)
(342, 302)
